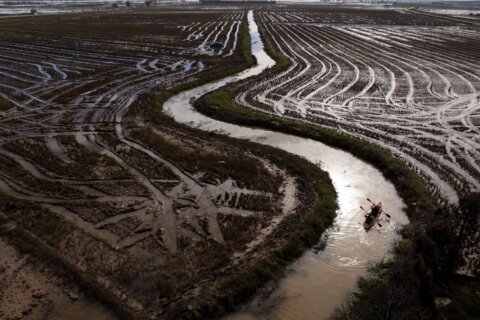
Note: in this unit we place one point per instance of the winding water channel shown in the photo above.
(319, 281)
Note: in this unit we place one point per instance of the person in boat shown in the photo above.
(376, 210)
(374, 213)
(368, 218)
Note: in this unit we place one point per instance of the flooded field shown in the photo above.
(333, 76)
(408, 83)
(119, 200)
(50, 7)
(464, 13)
(153, 214)
(320, 275)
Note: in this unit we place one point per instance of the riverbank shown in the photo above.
(219, 105)
(302, 235)
(346, 252)
(410, 254)
(290, 239)
(420, 205)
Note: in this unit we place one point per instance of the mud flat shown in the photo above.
(320, 279)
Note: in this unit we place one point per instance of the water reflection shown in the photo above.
(318, 281)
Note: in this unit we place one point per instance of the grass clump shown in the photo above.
(465, 300)
(245, 46)
(282, 62)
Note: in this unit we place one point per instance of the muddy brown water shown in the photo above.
(320, 280)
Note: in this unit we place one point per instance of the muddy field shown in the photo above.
(404, 81)
(105, 199)
(31, 290)
(110, 196)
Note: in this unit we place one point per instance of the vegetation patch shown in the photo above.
(463, 298)
(5, 104)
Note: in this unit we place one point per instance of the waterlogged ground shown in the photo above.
(154, 214)
(461, 12)
(34, 292)
(158, 215)
(322, 277)
(409, 83)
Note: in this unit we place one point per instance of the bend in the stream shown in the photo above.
(319, 281)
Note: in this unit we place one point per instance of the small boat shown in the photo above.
(373, 216)
(370, 221)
